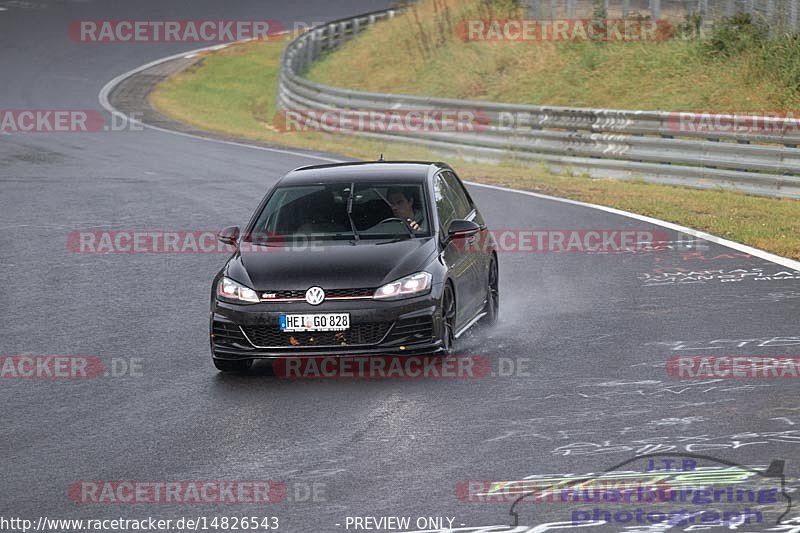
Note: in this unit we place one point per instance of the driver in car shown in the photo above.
(402, 205)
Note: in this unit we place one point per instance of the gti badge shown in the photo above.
(315, 295)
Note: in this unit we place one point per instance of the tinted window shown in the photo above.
(445, 208)
(460, 201)
(321, 211)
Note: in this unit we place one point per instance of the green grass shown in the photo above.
(672, 75)
(232, 91)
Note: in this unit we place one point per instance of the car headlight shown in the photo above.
(230, 290)
(407, 287)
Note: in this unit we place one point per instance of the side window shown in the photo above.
(445, 210)
(459, 197)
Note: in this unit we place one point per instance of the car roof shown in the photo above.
(405, 171)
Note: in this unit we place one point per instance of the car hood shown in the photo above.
(338, 265)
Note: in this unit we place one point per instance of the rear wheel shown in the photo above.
(492, 295)
(226, 365)
(448, 320)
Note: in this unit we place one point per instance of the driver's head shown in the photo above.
(402, 203)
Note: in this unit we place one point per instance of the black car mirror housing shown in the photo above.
(461, 229)
(229, 235)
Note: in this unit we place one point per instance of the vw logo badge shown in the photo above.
(315, 295)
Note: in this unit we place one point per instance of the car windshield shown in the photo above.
(354, 210)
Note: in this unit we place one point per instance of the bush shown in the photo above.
(781, 58)
(691, 26)
(776, 56)
(734, 35)
(599, 9)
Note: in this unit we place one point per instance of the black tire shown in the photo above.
(492, 295)
(226, 365)
(448, 321)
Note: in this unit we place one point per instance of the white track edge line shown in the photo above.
(783, 261)
(108, 87)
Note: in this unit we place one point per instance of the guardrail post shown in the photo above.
(310, 45)
(318, 38)
(655, 8)
(534, 9)
(342, 33)
(299, 60)
(327, 36)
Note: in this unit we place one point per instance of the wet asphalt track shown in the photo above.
(594, 330)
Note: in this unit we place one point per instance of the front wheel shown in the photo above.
(448, 321)
(226, 365)
(492, 295)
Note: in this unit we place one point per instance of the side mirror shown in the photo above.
(229, 235)
(461, 229)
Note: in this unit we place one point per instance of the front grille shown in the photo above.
(329, 293)
(287, 294)
(343, 293)
(358, 334)
(411, 330)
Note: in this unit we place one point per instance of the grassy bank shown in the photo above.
(232, 91)
(738, 67)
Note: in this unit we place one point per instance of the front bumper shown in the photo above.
(403, 327)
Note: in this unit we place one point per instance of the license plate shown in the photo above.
(317, 322)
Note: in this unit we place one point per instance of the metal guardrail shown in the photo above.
(648, 145)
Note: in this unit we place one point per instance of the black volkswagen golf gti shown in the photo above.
(381, 258)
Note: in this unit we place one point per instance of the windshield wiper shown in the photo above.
(390, 241)
(350, 212)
